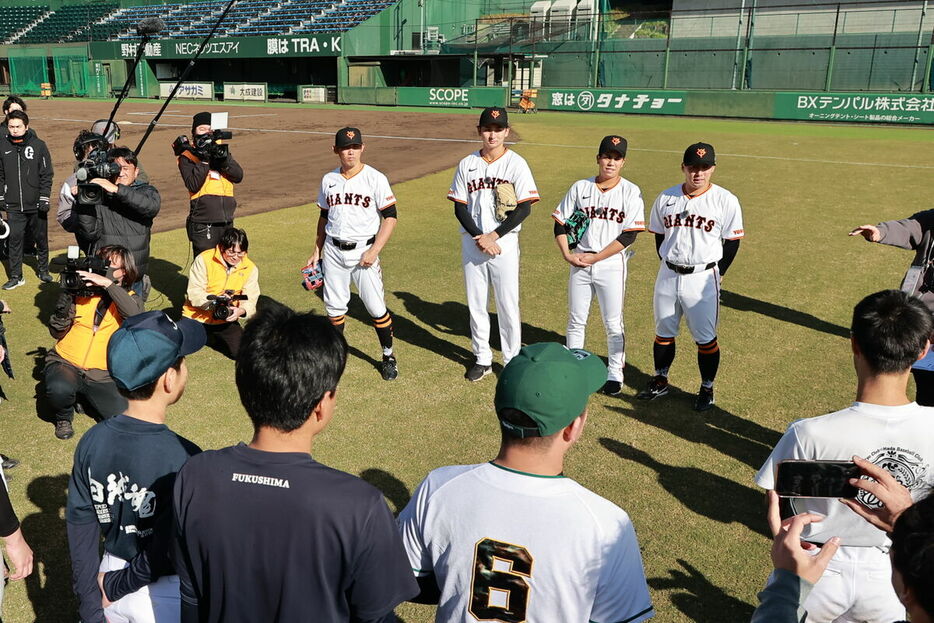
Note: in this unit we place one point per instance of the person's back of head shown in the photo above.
(288, 361)
(913, 558)
(13, 102)
(891, 329)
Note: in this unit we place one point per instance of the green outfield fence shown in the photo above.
(845, 46)
(28, 69)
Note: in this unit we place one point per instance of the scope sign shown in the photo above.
(448, 97)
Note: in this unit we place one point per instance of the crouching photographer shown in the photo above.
(209, 173)
(96, 297)
(113, 206)
(223, 286)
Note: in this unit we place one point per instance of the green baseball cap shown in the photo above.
(550, 384)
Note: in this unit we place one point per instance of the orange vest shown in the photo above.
(215, 184)
(218, 282)
(84, 345)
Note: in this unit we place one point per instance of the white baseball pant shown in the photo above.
(606, 279)
(695, 296)
(343, 267)
(159, 602)
(502, 272)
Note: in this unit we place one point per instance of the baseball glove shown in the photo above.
(576, 225)
(312, 277)
(506, 200)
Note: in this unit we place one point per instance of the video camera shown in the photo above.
(72, 282)
(210, 145)
(97, 164)
(223, 302)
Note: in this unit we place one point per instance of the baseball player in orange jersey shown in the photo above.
(697, 227)
(603, 213)
(490, 247)
(358, 215)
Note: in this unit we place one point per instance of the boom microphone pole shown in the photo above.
(191, 64)
(146, 28)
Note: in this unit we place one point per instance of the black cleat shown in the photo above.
(477, 372)
(389, 369)
(8, 462)
(612, 388)
(64, 430)
(657, 387)
(704, 399)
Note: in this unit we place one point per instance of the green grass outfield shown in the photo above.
(686, 479)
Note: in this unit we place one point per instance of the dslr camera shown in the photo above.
(97, 164)
(72, 282)
(221, 303)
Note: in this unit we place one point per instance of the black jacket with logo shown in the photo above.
(25, 172)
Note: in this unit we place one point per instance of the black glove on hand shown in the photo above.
(180, 145)
(43, 205)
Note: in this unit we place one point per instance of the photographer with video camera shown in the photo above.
(209, 173)
(96, 298)
(25, 184)
(113, 206)
(223, 287)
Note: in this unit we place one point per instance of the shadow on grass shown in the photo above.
(168, 279)
(701, 600)
(740, 302)
(700, 491)
(49, 586)
(393, 488)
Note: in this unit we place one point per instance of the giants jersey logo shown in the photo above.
(488, 183)
(689, 220)
(349, 199)
(606, 214)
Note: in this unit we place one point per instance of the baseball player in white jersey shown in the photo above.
(890, 332)
(358, 215)
(697, 227)
(489, 247)
(514, 539)
(595, 223)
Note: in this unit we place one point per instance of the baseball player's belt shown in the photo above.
(350, 245)
(687, 270)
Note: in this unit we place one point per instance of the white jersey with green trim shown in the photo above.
(695, 227)
(611, 212)
(509, 546)
(353, 203)
(476, 177)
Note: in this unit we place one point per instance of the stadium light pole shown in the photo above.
(421, 26)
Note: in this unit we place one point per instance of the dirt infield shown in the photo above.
(283, 151)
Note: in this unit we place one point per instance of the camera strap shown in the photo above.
(102, 306)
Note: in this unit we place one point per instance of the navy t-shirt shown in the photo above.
(267, 536)
(122, 479)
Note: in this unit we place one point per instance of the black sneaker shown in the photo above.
(704, 399)
(477, 372)
(657, 387)
(612, 388)
(389, 369)
(45, 277)
(15, 282)
(64, 430)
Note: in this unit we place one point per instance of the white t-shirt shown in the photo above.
(900, 439)
(474, 181)
(611, 211)
(352, 203)
(695, 229)
(509, 546)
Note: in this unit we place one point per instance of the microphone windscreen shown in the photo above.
(149, 26)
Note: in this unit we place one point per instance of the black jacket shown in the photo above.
(209, 208)
(25, 172)
(124, 218)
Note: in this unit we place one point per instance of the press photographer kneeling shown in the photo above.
(95, 299)
(223, 286)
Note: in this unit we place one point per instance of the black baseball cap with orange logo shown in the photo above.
(612, 143)
(494, 116)
(346, 137)
(700, 154)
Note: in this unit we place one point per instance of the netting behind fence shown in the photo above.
(70, 66)
(28, 70)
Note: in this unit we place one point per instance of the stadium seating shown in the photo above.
(14, 19)
(64, 23)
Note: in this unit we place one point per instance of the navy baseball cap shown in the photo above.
(613, 143)
(494, 115)
(147, 345)
(700, 154)
(346, 137)
(549, 383)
